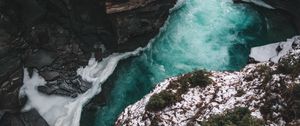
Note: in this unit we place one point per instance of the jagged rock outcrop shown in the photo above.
(136, 27)
(30, 118)
(269, 90)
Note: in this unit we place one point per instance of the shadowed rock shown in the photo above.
(49, 75)
(40, 59)
(69, 87)
(30, 118)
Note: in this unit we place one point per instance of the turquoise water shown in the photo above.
(202, 34)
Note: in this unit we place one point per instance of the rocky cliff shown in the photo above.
(263, 93)
(56, 37)
(288, 7)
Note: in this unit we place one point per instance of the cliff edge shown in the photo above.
(265, 93)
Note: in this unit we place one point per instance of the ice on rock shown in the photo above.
(65, 111)
(273, 51)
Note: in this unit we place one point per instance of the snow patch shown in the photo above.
(272, 52)
(65, 111)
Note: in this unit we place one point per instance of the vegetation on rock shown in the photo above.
(290, 66)
(199, 78)
(176, 88)
(237, 117)
(161, 100)
(265, 72)
(292, 110)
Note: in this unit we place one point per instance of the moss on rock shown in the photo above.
(236, 117)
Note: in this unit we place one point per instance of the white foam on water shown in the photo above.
(260, 3)
(178, 5)
(65, 111)
(47, 106)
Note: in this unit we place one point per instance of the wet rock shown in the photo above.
(252, 60)
(61, 92)
(40, 59)
(84, 85)
(45, 89)
(30, 118)
(49, 75)
(9, 92)
(55, 90)
(69, 87)
(52, 83)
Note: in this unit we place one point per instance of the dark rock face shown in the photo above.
(292, 7)
(289, 7)
(136, 27)
(9, 92)
(40, 58)
(30, 118)
(56, 37)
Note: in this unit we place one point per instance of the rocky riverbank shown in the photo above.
(56, 37)
(268, 90)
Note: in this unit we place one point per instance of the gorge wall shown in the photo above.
(56, 37)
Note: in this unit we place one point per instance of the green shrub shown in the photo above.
(161, 100)
(197, 78)
(292, 110)
(237, 117)
(290, 66)
(181, 85)
(200, 78)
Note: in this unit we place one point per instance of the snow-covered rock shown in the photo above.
(273, 51)
(254, 87)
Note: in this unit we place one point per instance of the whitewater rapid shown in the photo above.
(200, 34)
(65, 111)
(204, 32)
